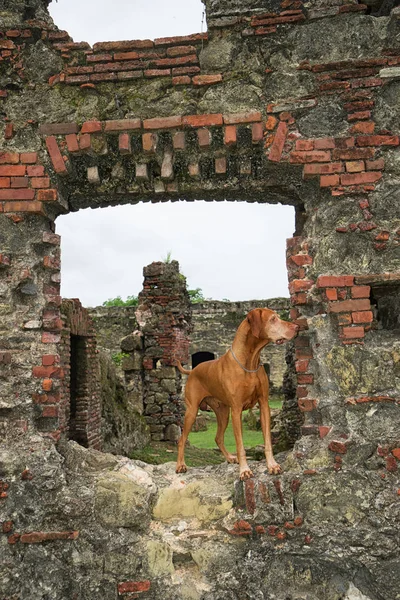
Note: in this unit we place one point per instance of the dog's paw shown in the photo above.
(181, 469)
(247, 474)
(274, 469)
(232, 458)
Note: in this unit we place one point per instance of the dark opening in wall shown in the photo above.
(379, 8)
(385, 299)
(200, 357)
(78, 401)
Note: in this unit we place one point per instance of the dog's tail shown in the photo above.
(181, 369)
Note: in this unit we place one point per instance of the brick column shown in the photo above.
(164, 315)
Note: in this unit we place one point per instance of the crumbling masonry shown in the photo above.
(293, 102)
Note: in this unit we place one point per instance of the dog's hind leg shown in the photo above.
(194, 395)
(222, 414)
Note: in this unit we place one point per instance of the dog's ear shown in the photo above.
(255, 320)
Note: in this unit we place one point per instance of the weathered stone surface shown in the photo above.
(326, 528)
(121, 500)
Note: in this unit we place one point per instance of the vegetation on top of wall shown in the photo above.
(130, 301)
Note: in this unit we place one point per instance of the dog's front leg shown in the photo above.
(245, 471)
(265, 416)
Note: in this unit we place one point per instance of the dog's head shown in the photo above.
(265, 324)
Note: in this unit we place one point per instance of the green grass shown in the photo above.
(203, 449)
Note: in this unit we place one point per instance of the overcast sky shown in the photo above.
(229, 250)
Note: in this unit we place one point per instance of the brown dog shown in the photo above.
(236, 381)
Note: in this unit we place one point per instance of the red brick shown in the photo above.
(5, 182)
(306, 404)
(360, 291)
(303, 145)
(12, 171)
(335, 281)
(24, 206)
(246, 117)
(391, 464)
(206, 79)
(358, 116)
(360, 178)
(178, 71)
(302, 259)
(91, 127)
(276, 150)
(310, 170)
(40, 182)
(17, 194)
(48, 195)
(157, 73)
(47, 385)
(300, 285)
(9, 158)
(220, 165)
(329, 180)
(352, 153)
(19, 182)
(180, 60)
(9, 131)
(302, 365)
(181, 50)
(324, 144)
(375, 165)
(378, 140)
(363, 317)
(230, 136)
(49, 359)
(203, 120)
(305, 379)
(396, 453)
(331, 294)
(257, 132)
(124, 143)
(99, 57)
(324, 430)
(50, 338)
(178, 140)
(383, 236)
(271, 123)
(353, 332)
(363, 127)
(58, 128)
(56, 156)
(72, 142)
(204, 137)
(133, 586)
(337, 447)
(179, 40)
(122, 125)
(355, 166)
(181, 80)
(123, 45)
(29, 158)
(35, 171)
(39, 536)
(310, 157)
(85, 142)
(149, 141)
(350, 305)
(162, 123)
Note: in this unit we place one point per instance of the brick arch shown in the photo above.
(258, 153)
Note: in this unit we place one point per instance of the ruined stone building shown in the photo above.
(282, 101)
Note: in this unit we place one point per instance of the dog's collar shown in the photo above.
(240, 364)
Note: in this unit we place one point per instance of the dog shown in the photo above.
(236, 382)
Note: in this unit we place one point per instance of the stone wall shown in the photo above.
(293, 102)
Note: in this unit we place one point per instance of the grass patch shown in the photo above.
(203, 450)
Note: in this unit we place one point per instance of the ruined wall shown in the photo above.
(293, 102)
